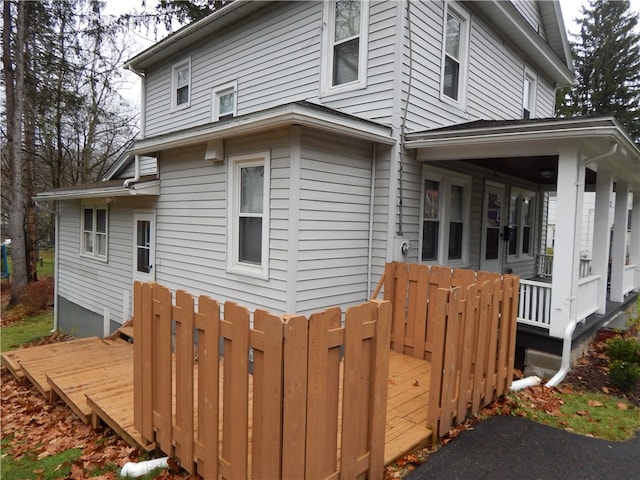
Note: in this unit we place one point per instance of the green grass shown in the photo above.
(591, 414)
(45, 268)
(47, 468)
(29, 330)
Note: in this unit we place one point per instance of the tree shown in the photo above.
(606, 56)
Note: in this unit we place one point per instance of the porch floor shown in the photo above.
(94, 377)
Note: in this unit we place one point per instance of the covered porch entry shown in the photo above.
(518, 168)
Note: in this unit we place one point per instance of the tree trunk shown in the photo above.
(14, 82)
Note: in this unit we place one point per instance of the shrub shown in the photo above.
(624, 375)
(624, 349)
(38, 296)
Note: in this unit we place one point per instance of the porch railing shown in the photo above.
(544, 264)
(629, 281)
(587, 297)
(535, 303)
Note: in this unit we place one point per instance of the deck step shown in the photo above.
(10, 360)
(125, 332)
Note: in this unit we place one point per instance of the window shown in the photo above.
(224, 101)
(529, 94)
(445, 212)
(144, 224)
(248, 215)
(94, 231)
(345, 45)
(454, 55)
(521, 210)
(181, 85)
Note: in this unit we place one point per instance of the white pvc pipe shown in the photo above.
(565, 364)
(132, 469)
(525, 382)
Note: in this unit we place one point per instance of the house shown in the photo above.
(289, 149)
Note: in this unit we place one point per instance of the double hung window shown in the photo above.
(454, 55)
(224, 101)
(94, 231)
(248, 215)
(181, 85)
(345, 44)
(445, 214)
(529, 89)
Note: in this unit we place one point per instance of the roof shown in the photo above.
(297, 113)
(149, 185)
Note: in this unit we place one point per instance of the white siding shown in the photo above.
(529, 10)
(148, 166)
(94, 284)
(335, 197)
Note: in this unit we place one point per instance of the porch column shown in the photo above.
(634, 244)
(601, 237)
(618, 243)
(566, 255)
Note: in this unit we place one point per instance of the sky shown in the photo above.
(141, 40)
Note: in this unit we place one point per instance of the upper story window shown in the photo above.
(445, 217)
(248, 214)
(94, 231)
(521, 211)
(455, 55)
(345, 45)
(529, 91)
(224, 101)
(181, 85)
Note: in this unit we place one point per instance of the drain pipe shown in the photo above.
(565, 363)
(132, 469)
(136, 173)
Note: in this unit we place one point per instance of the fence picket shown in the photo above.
(162, 368)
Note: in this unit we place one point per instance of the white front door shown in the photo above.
(491, 255)
(144, 246)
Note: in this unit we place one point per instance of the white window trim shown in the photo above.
(446, 180)
(174, 76)
(465, 19)
(326, 60)
(522, 193)
(149, 215)
(216, 92)
(533, 78)
(235, 162)
(93, 255)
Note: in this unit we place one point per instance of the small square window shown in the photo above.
(224, 102)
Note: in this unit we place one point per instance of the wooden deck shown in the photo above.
(94, 377)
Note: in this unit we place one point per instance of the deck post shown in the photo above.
(601, 236)
(618, 252)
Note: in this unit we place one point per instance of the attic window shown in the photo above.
(224, 101)
(181, 91)
(345, 45)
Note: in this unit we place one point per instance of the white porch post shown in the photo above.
(601, 237)
(570, 191)
(618, 243)
(634, 245)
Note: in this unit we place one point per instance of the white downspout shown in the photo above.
(132, 469)
(56, 268)
(136, 173)
(565, 363)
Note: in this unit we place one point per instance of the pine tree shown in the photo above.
(606, 57)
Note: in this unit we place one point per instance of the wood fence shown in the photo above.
(310, 404)
(464, 323)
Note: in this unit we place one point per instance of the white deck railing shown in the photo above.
(629, 278)
(535, 303)
(544, 264)
(587, 297)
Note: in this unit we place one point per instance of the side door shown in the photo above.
(492, 251)
(144, 246)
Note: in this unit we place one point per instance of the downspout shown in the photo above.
(374, 157)
(565, 363)
(143, 98)
(56, 267)
(136, 173)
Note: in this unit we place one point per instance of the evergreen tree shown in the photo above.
(607, 61)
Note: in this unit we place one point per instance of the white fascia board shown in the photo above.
(516, 28)
(271, 119)
(146, 188)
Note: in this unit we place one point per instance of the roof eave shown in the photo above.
(149, 188)
(283, 116)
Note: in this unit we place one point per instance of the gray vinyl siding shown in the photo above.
(191, 224)
(334, 212)
(530, 12)
(148, 166)
(545, 99)
(91, 283)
